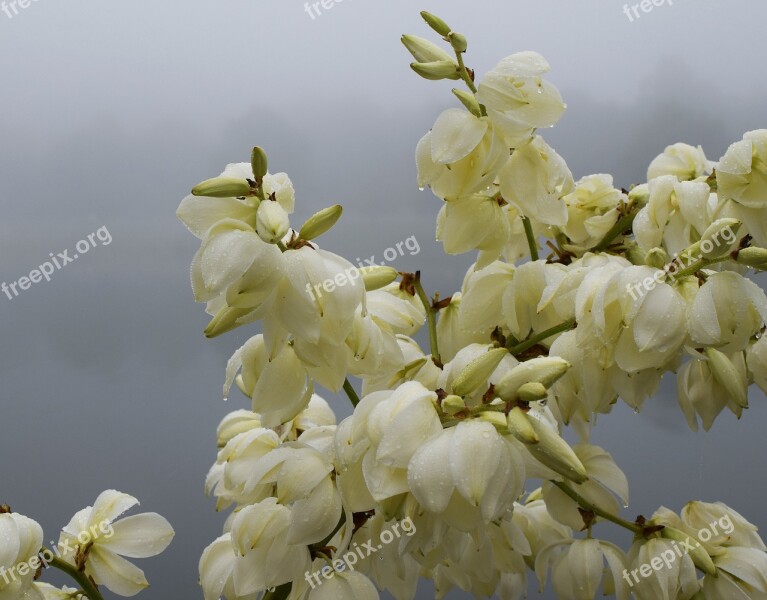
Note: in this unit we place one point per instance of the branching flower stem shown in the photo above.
(351, 392)
(531, 241)
(88, 587)
(518, 349)
(586, 505)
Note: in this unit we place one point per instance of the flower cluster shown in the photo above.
(90, 549)
(639, 283)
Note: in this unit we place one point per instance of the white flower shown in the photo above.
(535, 179)
(450, 333)
(702, 394)
(94, 533)
(460, 156)
(475, 222)
(396, 309)
(756, 358)
(272, 221)
(20, 541)
(653, 579)
(592, 210)
(727, 311)
(742, 172)
(578, 569)
(318, 297)
(265, 557)
(345, 586)
(228, 251)
(466, 472)
(216, 568)
(482, 296)
(518, 100)
(52, 593)
(683, 161)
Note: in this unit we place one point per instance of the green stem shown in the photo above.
(351, 392)
(431, 318)
(89, 588)
(531, 241)
(697, 266)
(622, 225)
(464, 73)
(586, 505)
(529, 343)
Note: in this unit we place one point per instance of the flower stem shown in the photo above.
(465, 73)
(586, 505)
(529, 343)
(431, 318)
(624, 223)
(89, 588)
(698, 265)
(351, 392)
(531, 241)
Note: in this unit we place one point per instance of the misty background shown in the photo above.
(110, 112)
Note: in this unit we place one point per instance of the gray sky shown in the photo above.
(110, 112)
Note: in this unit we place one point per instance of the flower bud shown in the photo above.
(699, 554)
(453, 404)
(753, 257)
(496, 419)
(545, 370)
(423, 50)
(556, 453)
(272, 222)
(225, 320)
(437, 70)
(457, 41)
(469, 100)
(320, 222)
(532, 392)
(436, 23)
(259, 163)
(477, 372)
(657, 258)
(727, 376)
(519, 426)
(714, 242)
(222, 187)
(378, 277)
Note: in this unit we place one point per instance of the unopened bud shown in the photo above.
(477, 372)
(457, 41)
(719, 237)
(699, 554)
(469, 100)
(532, 392)
(320, 222)
(496, 419)
(225, 320)
(555, 453)
(377, 277)
(727, 376)
(657, 258)
(222, 187)
(753, 257)
(259, 163)
(272, 222)
(423, 50)
(436, 23)
(520, 427)
(453, 404)
(545, 370)
(436, 71)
